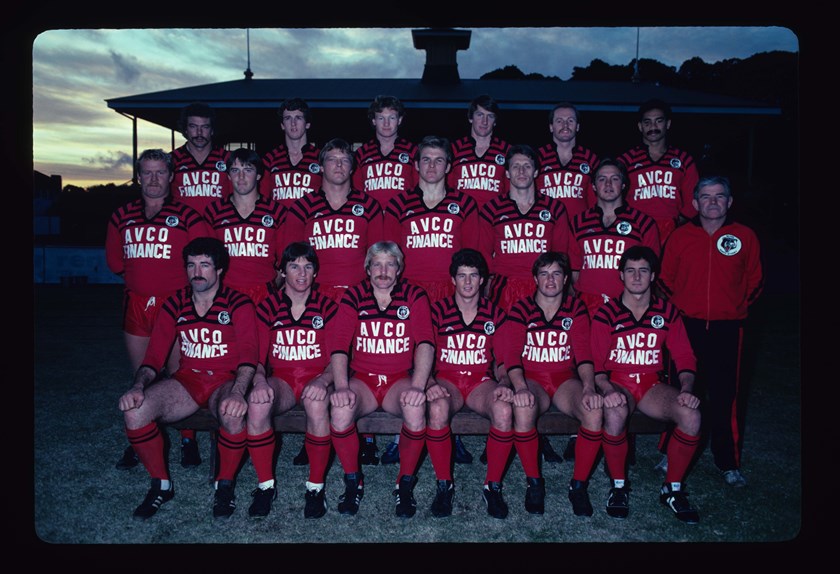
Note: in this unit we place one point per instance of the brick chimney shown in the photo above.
(441, 45)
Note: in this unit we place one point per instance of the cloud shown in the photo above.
(114, 160)
(127, 68)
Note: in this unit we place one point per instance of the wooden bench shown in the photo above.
(465, 422)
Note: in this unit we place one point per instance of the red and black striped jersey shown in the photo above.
(384, 176)
(511, 241)
(429, 236)
(289, 343)
(340, 236)
(378, 341)
(199, 184)
(595, 249)
(570, 183)
(147, 252)
(621, 343)
(255, 243)
(540, 344)
(476, 347)
(663, 189)
(222, 340)
(482, 178)
(284, 181)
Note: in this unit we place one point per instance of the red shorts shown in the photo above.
(551, 380)
(255, 292)
(506, 291)
(201, 384)
(297, 378)
(140, 312)
(436, 290)
(593, 301)
(380, 384)
(637, 383)
(465, 381)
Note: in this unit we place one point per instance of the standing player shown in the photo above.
(711, 270)
(292, 169)
(199, 165)
(566, 167)
(142, 245)
(292, 326)
(469, 339)
(340, 222)
(517, 226)
(385, 164)
(630, 335)
(215, 328)
(382, 356)
(478, 166)
(551, 363)
(431, 221)
(602, 233)
(251, 228)
(661, 176)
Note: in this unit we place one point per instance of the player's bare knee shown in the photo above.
(501, 416)
(439, 413)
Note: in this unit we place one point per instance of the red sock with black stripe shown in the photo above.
(615, 453)
(439, 445)
(528, 448)
(261, 450)
(587, 445)
(231, 450)
(147, 442)
(499, 445)
(318, 450)
(681, 449)
(346, 445)
(411, 447)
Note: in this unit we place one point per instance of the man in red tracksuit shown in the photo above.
(711, 270)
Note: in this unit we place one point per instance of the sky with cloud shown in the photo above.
(75, 135)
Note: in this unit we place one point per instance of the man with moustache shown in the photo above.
(215, 329)
(661, 176)
(199, 165)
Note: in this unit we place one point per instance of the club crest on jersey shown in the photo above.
(403, 158)
(545, 215)
(317, 322)
(314, 168)
(676, 163)
(657, 321)
(624, 228)
(729, 245)
(402, 312)
(267, 221)
(566, 323)
(224, 318)
(221, 166)
(500, 159)
(358, 210)
(489, 327)
(584, 168)
(453, 208)
(172, 221)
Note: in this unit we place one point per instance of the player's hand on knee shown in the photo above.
(132, 399)
(234, 405)
(614, 399)
(523, 398)
(686, 399)
(314, 392)
(504, 394)
(261, 393)
(436, 392)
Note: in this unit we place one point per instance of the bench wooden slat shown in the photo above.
(464, 422)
